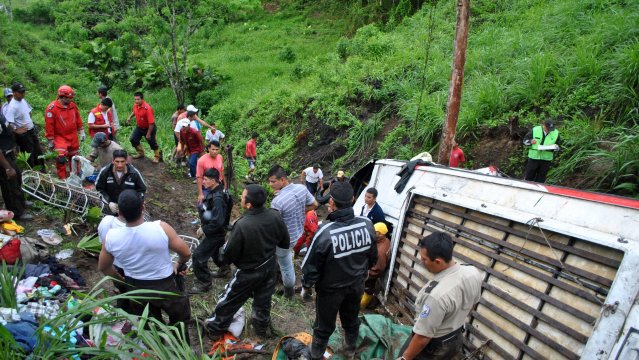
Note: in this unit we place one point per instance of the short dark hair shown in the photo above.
(107, 102)
(254, 135)
(372, 191)
(102, 90)
(214, 143)
(255, 195)
(140, 94)
(212, 173)
(180, 107)
(119, 153)
(277, 171)
(316, 166)
(438, 245)
(130, 205)
(190, 114)
(342, 195)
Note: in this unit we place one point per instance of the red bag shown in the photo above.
(10, 253)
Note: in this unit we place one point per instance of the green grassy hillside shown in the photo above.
(318, 88)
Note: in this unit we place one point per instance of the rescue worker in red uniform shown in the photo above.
(63, 127)
(144, 127)
(101, 119)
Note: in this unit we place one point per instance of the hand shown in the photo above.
(533, 141)
(199, 233)
(113, 207)
(200, 198)
(148, 136)
(82, 135)
(180, 269)
(51, 144)
(11, 173)
(21, 130)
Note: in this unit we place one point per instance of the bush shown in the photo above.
(39, 12)
(287, 55)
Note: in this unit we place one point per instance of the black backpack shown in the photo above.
(228, 201)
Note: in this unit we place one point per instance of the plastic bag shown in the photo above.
(80, 168)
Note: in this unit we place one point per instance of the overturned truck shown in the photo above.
(561, 265)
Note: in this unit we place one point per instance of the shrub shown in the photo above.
(287, 55)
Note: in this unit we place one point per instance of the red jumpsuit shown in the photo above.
(61, 124)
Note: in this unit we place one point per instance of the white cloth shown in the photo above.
(210, 136)
(142, 251)
(313, 177)
(18, 113)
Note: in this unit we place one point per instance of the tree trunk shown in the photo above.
(456, 81)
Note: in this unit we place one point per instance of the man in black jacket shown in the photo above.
(117, 177)
(251, 248)
(10, 174)
(214, 221)
(337, 264)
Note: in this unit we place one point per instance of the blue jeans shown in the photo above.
(285, 261)
(193, 164)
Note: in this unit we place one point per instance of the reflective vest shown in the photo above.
(101, 120)
(549, 139)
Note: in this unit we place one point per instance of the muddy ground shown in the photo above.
(171, 197)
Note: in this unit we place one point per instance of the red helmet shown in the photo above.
(66, 91)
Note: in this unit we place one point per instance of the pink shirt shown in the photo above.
(206, 162)
(456, 157)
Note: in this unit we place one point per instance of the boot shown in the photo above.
(222, 272)
(317, 349)
(156, 159)
(366, 299)
(199, 288)
(350, 342)
(140, 153)
(289, 292)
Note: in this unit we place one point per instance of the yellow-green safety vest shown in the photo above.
(551, 139)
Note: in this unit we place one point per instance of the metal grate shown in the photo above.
(60, 193)
(542, 292)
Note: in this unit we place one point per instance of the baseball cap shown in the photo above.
(7, 92)
(340, 174)
(18, 87)
(549, 124)
(99, 139)
(381, 228)
(342, 192)
(191, 108)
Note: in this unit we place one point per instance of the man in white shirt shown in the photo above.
(312, 177)
(214, 134)
(186, 121)
(18, 115)
(8, 94)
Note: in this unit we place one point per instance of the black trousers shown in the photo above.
(208, 248)
(536, 170)
(28, 142)
(344, 301)
(259, 284)
(435, 350)
(139, 133)
(11, 188)
(312, 187)
(176, 305)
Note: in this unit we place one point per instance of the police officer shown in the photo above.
(336, 265)
(10, 174)
(539, 160)
(251, 248)
(443, 304)
(117, 177)
(214, 219)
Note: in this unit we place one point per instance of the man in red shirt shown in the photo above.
(144, 127)
(250, 153)
(62, 127)
(456, 156)
(191, 141)
(212, 159)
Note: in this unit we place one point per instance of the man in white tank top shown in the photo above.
(143, 251)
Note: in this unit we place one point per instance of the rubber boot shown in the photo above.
(140, 151)
(156, 159)
(289, 292)
(366, 299)
(317, 349)
(350, 344)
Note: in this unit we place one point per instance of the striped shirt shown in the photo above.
(291, 203)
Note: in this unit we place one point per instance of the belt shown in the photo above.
(134, 281)
(260, 265)
(443, 340)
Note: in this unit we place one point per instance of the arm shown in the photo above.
(49, 123)
(232, 250)
(528, 139)
(100, 184)
(79, 126)
(148, 132)
(313, 263)
(9, 170)
(200, 195)
(140, 185)
(285, 238)
(311, 203)
(215, 224)
(415, 347)
(302, 176)
(105, 264)
(129, 118)
(176, 244)
(202, 122)
(372, 252)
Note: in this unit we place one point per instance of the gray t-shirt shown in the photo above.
(104, 155)
(291, 203)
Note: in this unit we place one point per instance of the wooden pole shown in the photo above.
(456, 81)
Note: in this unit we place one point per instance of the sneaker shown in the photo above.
(289, 292)
(24, 217)
(183, 163)
(199, 288)
(194, 181)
